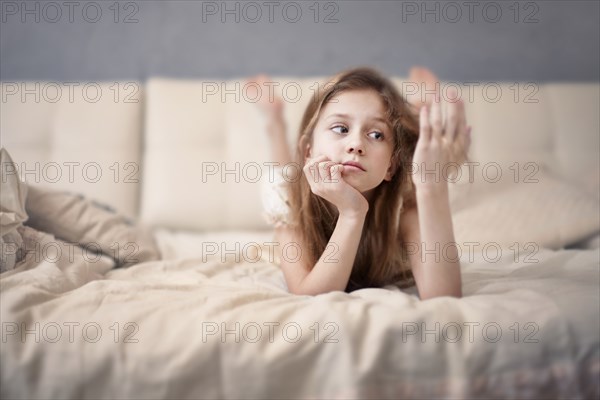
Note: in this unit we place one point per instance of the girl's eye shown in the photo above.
(343, 128)
(377, 135)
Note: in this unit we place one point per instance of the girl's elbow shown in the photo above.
(300, 291)
(305, 288)
(457, 293)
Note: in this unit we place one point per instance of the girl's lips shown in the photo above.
(353, 166)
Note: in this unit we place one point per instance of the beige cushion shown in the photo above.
(195, 137)
(551, 213)
(509, 134)
(184, 134)
(576, 133)
(96, 127)
(249, 146)
(76, 219)
(26, 125)
(103, 136)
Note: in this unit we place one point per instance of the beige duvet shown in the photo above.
(192, 326)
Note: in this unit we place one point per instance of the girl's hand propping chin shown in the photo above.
(442, 141)
(326, 181)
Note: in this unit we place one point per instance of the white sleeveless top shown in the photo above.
(274, 193)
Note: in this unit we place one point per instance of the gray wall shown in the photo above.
(551, 40)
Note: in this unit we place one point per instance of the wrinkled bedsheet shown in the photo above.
(193, 326)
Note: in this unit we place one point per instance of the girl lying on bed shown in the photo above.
(360, 216)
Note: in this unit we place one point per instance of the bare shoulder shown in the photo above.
(293, 264)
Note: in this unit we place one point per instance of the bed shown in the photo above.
(188, 301)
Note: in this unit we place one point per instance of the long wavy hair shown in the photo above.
(381, 258)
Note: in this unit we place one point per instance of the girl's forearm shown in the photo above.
(334, 267)
(439, 255)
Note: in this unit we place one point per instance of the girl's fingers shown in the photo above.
(452, 119)
(468, 141)
(312, 167)
(425, 128)
(324, 171)
(455, 130)
(461, 118)
(336, 172)
(314, 161)
(436, 119)
(461, 146)
(461, 128)
(312, 171)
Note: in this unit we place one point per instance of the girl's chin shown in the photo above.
(365, 190)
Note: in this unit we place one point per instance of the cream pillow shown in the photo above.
(12, 212)
(73, 218)
(548, 214)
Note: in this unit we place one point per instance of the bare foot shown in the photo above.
(271, 106)
(270, 103)
(428, 86)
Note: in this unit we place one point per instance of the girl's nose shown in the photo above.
(355, 145)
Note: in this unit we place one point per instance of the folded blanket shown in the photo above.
(12, 212)
(69, 217)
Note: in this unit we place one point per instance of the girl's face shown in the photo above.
(352, 128)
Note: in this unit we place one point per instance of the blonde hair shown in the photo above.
(381, 258)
